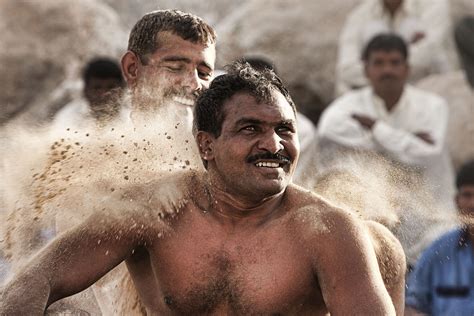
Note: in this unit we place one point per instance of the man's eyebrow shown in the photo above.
(246, 120)
(186, 60)
(176, 58)
(288, 122)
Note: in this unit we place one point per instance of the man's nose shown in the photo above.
(192, 81)
(270, 142)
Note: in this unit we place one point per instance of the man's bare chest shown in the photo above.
(208, 273)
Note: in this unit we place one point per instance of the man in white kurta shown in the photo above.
(424, 24)
(402, 123)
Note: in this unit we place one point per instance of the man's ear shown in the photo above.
(130, 67)
(205, 142)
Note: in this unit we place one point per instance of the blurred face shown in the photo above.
(465, 202)
(392, 5)
(98, 90)
(176, 72)
(258, 148)
(387, 71)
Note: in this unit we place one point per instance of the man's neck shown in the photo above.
(237, 210)
(390, 99)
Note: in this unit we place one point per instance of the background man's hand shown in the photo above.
(364, 120)
(418, 36)
(425, 137)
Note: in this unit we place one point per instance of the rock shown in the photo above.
(299, 36)
(46, 44)
(453, 87)
(211, 11)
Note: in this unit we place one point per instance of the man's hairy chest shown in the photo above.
(204, 273)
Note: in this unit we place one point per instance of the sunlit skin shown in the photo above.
(250, 130)
(176, 72)
(262, 246)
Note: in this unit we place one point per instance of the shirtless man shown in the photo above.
(241, 239)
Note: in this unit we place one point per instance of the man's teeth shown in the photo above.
(184, 101)
(268, 164)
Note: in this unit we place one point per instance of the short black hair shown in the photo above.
(385, 42)
(240, 77)
(103, 68)
(465, 175)
(143, 38)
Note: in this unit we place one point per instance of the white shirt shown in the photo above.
(308, 149)
(434, 53)
(425, 208)
(393, 133)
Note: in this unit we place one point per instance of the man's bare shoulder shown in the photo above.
(318, 217)
(149, 202)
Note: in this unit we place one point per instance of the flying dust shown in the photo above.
(55, 178)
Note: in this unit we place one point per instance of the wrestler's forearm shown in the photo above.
(27, 294)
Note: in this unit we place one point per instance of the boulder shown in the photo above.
(299, 36)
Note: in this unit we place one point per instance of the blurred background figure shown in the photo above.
(424, 24)
(103, 83)
(392, 118)
(443, 280)
(464, 36)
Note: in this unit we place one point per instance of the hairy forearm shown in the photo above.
(27, 294)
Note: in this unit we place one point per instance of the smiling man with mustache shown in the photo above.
(239, 239)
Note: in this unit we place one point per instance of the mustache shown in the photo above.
(387, 76)
(269, 156)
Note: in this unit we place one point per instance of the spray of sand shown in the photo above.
(56, 178)
(387, 192)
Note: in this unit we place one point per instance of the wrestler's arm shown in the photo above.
(347, 269)
(70, 263)
(392, 263)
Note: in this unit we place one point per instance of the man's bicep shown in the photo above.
(348, 273)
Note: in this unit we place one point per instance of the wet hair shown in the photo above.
(465, 175)
(240, 77)
(385, 42)
(144, 37)
(103, 68)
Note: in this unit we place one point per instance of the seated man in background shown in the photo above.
(425, 25)
(403, 124)
(442, 282)
(103, 80)
(239, 237)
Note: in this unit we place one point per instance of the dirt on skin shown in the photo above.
(54, 179)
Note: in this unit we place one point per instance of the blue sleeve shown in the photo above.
(419, 284)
